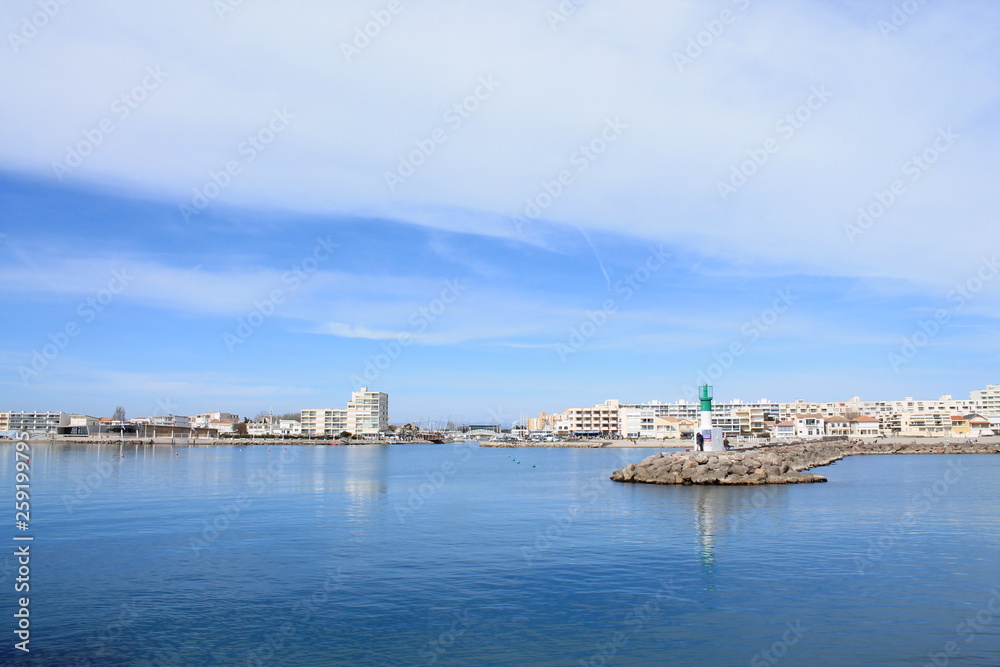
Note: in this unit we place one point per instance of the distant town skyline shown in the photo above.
(569, 203)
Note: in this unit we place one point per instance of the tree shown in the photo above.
(261, 415)
(294, 416)
(119, 414)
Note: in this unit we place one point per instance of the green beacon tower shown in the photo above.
(710, 439)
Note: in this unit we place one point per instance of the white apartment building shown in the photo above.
(987, 400)
(600, 420)
(280, 427)
(324, 422)
(177, 421)
(36, 422)
(205, 419)
(367, 414)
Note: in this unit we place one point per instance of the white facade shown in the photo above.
(166, 420)
(37, 422)
(323, 422)
(987, 400)
(810, 426)
(368, 412)
(205, 419)
(282, 427)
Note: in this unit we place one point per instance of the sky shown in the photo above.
(488, 210)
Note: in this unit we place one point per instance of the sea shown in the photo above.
(460, 555)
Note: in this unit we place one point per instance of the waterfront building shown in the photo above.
(37, 422)
(270, 426)
(987, 400)
(367, 414)
(206, 418)
(783, 430)
(810, 426)
(324, 422)
(177, 421)
(601, 420)
(926, 424)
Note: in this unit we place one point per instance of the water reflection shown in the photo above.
(709, 507)
(365, 481)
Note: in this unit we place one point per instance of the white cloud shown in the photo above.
(686, 130)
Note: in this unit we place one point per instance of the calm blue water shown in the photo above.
(455, 555)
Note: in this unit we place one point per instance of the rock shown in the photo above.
(774, 464)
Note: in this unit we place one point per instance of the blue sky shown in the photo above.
(489, 211)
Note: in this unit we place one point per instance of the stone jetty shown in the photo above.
(774, 464)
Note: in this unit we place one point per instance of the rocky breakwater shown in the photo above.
(749, 467)
(777, 464)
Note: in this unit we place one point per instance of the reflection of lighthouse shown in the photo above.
(705, 522)
(707, 438)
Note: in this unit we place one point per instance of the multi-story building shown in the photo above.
(810, 426)
(37, 422)
(987, 400)
(367, 414)
(925, 424)
(205, 419)
(270, 426)
(324, 422)
(177, 421)
(601, 420)
(544, 421)
(861, 426)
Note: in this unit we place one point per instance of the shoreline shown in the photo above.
(779, 463)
